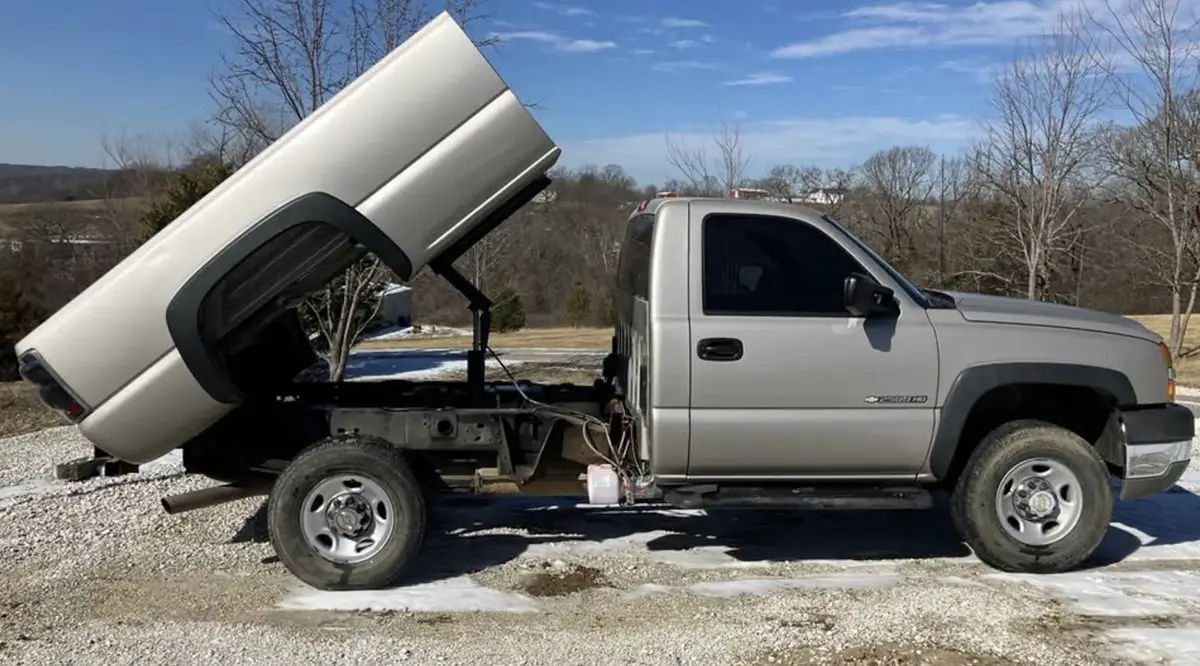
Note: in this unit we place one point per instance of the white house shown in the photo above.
(395, 306)
(824, 195)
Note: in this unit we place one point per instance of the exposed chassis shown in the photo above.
(475, 435)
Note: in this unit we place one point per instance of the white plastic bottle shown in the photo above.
(603, 485)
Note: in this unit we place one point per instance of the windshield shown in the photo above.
(909, 288)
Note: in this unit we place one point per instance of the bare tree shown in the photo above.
(707, 174)
(792, 183)
(1150, 58)
(955, 183)
(290, 57)
(142, 165)
(899, 181)
(343, 309)
(1041, 143)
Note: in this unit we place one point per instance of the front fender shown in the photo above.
(973, 383)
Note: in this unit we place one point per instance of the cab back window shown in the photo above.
(633, 269)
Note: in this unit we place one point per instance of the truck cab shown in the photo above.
(732, 315)
(763, 348)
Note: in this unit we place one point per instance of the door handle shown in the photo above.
(719, 349)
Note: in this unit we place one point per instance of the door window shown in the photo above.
(772, 266)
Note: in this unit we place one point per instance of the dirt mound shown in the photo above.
(563, 580)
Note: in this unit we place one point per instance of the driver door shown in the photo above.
(785, 384)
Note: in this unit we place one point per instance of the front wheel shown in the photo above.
(1033, 498)
(347, 514)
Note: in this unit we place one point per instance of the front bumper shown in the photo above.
(1157, 448)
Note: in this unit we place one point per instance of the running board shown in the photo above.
(810, 498)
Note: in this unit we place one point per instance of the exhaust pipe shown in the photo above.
(206, 497)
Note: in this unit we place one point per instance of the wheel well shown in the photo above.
(1083, 410)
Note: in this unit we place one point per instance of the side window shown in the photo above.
(762, 265)
(633, 268)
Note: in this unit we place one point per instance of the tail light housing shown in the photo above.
(1170, 371)
(51, 389)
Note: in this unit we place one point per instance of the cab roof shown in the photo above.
(757, 206)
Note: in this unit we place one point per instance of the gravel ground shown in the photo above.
(22, 412)
(96, 573)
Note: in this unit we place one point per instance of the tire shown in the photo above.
(1036, 445)
(383, 473)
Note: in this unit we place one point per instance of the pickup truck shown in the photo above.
(763, 356)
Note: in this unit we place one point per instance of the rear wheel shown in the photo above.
(1033, 498)
(347, 514)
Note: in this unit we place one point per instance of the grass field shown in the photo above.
(1187, 369)
(78, 206)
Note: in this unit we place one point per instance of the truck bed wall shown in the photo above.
(425, 144)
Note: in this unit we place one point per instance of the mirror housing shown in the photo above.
(864, 297)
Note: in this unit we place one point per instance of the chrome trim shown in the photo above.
(1144, 461)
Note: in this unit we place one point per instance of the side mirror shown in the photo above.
(864, 297)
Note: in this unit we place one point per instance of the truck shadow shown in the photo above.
(469, 535)
(1168, 523)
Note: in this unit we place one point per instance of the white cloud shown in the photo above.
(684, 44)
(673, 22)
(528, 36)
(760, 79)
(586, 46)
(931, 24)
(680, 65)
(564, 10)
(832, 142)
(981, 71)
(559, 42)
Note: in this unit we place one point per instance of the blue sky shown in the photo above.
(822, 82)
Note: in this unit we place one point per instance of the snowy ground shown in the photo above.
(95, 573)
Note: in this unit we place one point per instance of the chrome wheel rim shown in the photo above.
(1039, 501)
(347, 518)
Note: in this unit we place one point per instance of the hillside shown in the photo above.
(26, 183)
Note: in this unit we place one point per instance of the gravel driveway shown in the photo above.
(96, 573)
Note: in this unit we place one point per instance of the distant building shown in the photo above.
(395, 306)
(749, 193)
(824, 195)
(546, 196)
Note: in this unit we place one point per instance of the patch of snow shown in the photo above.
(9, 495)
(1130, 594)
(433, 371)
(1174, 646)
(1101, 594)
(460, 594)
(417, 332)
(763, 586)
(725, 589)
